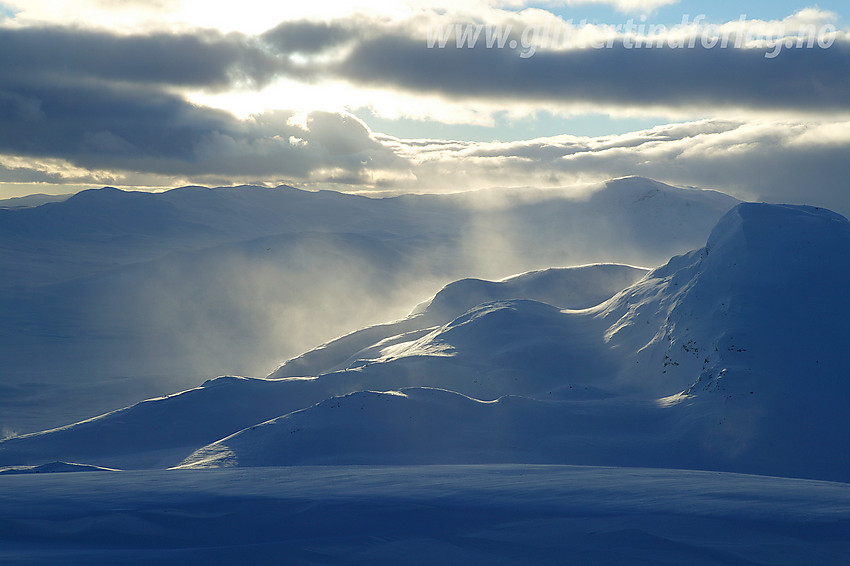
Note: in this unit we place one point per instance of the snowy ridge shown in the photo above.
(767, 289)
(750, 329)
(567, 288)
(436, 426)
(158, 432)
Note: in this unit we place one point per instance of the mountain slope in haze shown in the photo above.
(30, 201)
(646, 220)
(112, 296)
(727, 358)
(99, 229)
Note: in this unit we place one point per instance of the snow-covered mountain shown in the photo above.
(721, 359)
(730, 357)
(111, 296)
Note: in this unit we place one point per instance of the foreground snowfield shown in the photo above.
(425, 515)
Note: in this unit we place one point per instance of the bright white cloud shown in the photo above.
(640, 6)
(775, 137)
(248, 16)
(800, 162)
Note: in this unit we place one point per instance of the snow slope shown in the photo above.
(752, 329)
(729, 358)
(435, 426)
(159, 432)
(53, 468)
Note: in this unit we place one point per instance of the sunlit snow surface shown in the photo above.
(422, 515)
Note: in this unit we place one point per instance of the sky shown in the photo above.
(752, 98)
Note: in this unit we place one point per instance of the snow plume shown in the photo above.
(243, 308)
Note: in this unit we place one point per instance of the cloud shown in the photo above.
(779, 161)
(305, 36)
(797, 162)
(790, 65)
(249, 16)
(200, 59)
(101, 101)
(644, 6)
(84, 105)
(145, 130)
(390, 60)
(802, 80)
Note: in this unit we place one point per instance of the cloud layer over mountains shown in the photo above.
(91, 106)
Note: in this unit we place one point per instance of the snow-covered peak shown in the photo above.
(752, 331)
(567, 288)
(772, 231)
(643, 192)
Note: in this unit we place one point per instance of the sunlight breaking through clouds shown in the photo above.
(168, 92)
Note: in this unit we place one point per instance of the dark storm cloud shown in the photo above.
(200, 59)
(101, 126)
(803, 79)
(108, 103)
(308, 37)
(104, 101)
(81, 120)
